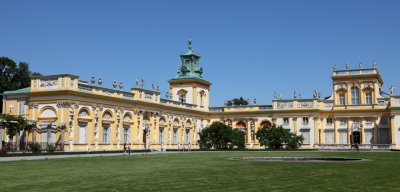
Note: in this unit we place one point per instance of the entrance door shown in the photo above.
(356, 137)
(82, 132)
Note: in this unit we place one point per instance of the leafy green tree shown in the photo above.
(220, 136)
(237, 139)
(15, 124)
(237, 101)
(7, 73)
(276, 137)
(14, 77)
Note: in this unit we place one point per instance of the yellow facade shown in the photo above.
(88, 117)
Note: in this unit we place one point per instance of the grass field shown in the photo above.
(204, 171)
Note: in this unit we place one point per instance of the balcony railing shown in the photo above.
(104, 91)
(355, 72)
(177, 103)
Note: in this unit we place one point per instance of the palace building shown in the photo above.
(78, 115)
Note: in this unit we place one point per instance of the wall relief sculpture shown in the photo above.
(49, 84)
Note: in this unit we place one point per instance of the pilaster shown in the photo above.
(1, 133)
(335, 132)
(392, 131)
(349, 133)
(362, 131)
(316, 131)
(376, 131)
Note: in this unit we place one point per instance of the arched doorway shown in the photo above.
(242, 127)
(265, 123)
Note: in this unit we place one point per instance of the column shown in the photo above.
(335, 132)
(256, 128)
(321, 137)
(316, 131)
(295, 125)
(17, 139)
(376, 130)
(1, 133)
(48, 134)
(62, 137)
(392, 131)
(349, 133)
(362, 131)
(248, 131)
(34, 133)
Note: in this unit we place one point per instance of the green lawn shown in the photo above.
(207, 171)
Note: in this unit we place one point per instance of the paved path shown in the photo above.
(21, 158)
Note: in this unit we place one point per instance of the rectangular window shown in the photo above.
(106, 129)
(341, 99)
(187, 135)
(126, 133)
(161, 135)
(355, 95)
(368, 99)
(305, 120)
(21, 107)
(175, 136)
(286, 121)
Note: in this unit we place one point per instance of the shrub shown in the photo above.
(294, 141)
(3, 152)
(276, 137)
(50, 148)
(35, 147)
(220, 136)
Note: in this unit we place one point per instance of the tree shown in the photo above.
(237, 139)
(14, 77)
(276, 137)
(7, 73)
(14, 125)
(220, 136)
(236, 101)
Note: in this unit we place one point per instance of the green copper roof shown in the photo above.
(23, 90)
(190, 65)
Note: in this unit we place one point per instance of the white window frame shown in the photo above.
(355, 95)
(342, 100)
(368, 98)
(21, 108)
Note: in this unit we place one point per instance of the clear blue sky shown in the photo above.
(248, 48)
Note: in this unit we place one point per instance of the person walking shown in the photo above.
(129, 150)
(356, 146)
(124, 149)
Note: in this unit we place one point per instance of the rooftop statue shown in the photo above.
(392, 90)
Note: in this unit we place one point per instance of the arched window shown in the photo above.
(355, 95)
(182, 95)
(202, 96)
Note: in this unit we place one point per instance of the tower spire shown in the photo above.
(190, 44)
